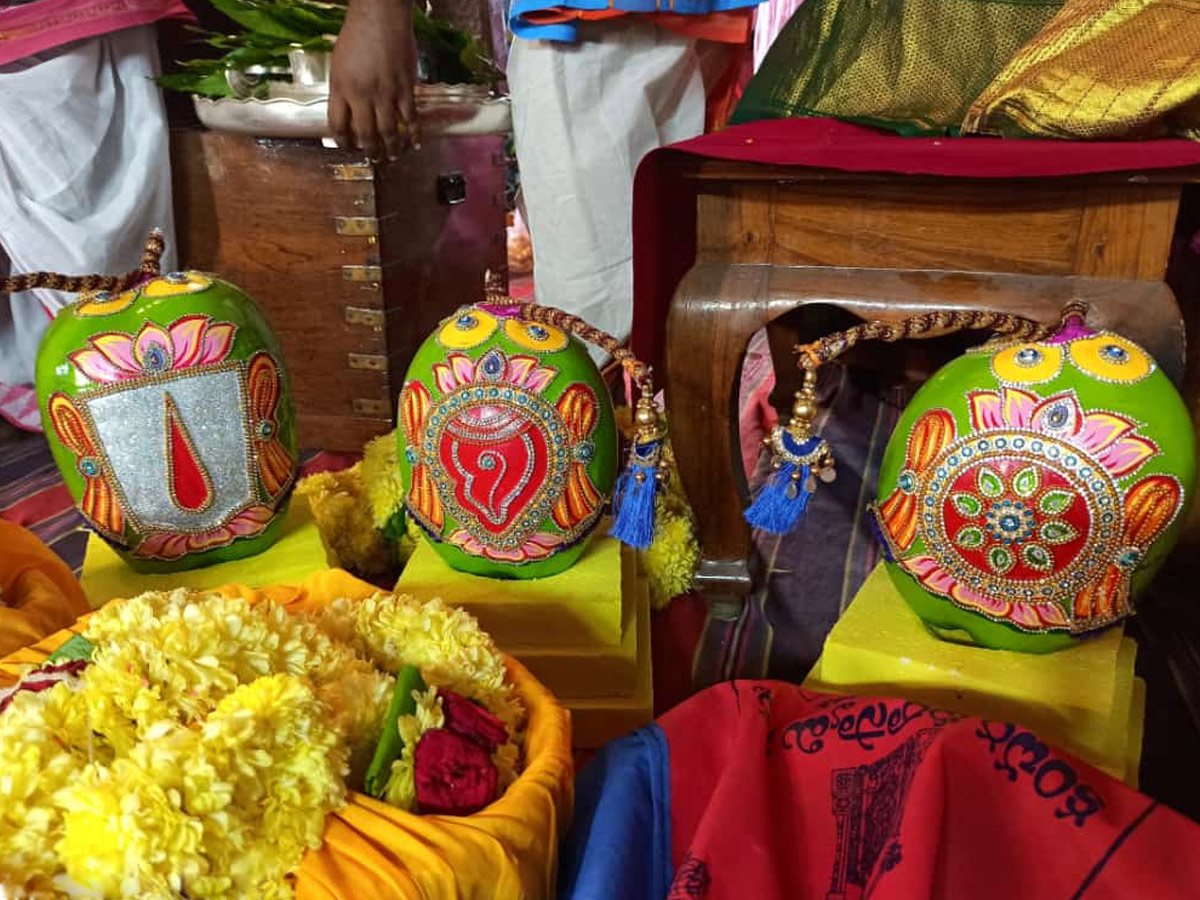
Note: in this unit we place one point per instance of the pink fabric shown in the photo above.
(37, 27)
(769, 19)
(19, 407)
(756, 416)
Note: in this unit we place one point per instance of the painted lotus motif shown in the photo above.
(187, 342)
(1039, 509)
(507, 438)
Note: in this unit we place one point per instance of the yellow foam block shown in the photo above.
(1136, 730)
(597, 720)
(1081, 699)
(602, 670)
(296, 555)
(580, 607)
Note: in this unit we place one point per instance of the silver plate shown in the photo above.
(443, 110)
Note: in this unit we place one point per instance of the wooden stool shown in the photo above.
(772, 239)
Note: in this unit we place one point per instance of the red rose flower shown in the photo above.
(43, 678)
(472, 721)
(453, 775)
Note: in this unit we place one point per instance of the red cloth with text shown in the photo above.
(779, 792)
(664, 202)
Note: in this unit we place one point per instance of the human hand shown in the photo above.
(372, 76)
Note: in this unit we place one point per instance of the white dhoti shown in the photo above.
(584, 115)
(84, 174)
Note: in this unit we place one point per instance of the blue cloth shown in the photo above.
(568, 32)
(619, 844)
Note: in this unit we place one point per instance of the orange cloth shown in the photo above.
(372, 850)
(38, 593)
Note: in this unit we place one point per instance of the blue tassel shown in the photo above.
(799, 460)
(634, 497)
(781, 501)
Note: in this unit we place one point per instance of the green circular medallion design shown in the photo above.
(1031, 490)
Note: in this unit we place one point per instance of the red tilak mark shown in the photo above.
(190, 486)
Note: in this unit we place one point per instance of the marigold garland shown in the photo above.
(200, 751)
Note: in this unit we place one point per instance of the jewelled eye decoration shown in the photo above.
(492, 366)
(1058, 416)
(907, 481)
(536, 336)
(1027, 363)
(1128, 559)
(88, 467)
(174, 283)
(265, 429)
(104, 303)
(155, 358)
(1111, 358)
(1115, 353)
(585, 452)
(411, 454)
(467, 328)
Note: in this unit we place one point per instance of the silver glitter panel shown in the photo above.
(131, 428)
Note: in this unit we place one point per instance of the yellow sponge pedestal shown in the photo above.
(1085, 699)
(584, 633)
(296, 555)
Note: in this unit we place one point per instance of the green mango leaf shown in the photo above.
(78, 647)
(212, 84)
(256, 17)
(396, 527)
(274, 27)
(387, 751)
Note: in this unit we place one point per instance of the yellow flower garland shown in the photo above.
(202, 748)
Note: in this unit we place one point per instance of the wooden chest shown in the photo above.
(353, 263)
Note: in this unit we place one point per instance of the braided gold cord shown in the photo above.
(931, 324)
(151, 256)
(638, 371)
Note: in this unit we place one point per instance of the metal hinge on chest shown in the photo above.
(372, 362)
(356, 226)
(377, 408)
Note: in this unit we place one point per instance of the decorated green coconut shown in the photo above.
(1033, 487)
(169, 413)
(508, 443)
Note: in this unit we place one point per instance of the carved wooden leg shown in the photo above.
(713, 316)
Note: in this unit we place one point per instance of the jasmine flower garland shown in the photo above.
(200, 751)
